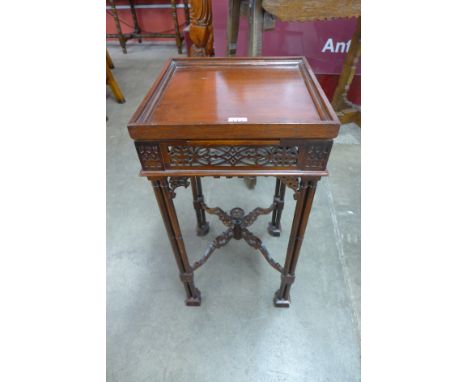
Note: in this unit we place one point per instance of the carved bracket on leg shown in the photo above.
(175, 182)
(292, 182)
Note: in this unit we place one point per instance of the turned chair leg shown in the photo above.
(136, 26)
(169, 216)
(117, 25)
(305, 198)
(274, 227)
(176, 26)
(110, 80)
(202, 225)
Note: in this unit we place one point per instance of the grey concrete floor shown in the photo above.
(236, 334)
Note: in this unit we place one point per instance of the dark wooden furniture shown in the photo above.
(139, 34)
(260, 14)
(235, 117)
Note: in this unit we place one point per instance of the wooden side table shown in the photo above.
(234, 117)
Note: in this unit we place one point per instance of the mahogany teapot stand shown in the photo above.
(235, 117)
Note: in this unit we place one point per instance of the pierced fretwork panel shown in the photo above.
(194, 156)
(308, 155)
(316, 155)
(149, 154)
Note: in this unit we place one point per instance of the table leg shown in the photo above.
(169, 216)
(136, 26)
(176, 26)
(117, 25)
(301, 216)
(202, 225)
(250, 182)
(255, 28)
(274, 227)
(233, 27)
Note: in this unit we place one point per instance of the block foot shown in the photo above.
(274, 230)
(194, 301)
(280, 302)
(203, 230)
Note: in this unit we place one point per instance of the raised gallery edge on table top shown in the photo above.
(235, 98)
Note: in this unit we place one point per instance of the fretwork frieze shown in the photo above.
(233, 156)
(309, 156)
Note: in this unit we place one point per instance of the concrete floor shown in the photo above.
(237, 334)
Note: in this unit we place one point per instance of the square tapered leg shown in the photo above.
(305, 198)
(202, 225)
(274, 227)
(166, 205)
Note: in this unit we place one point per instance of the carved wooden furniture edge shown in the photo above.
(139, 119)
(152, 175)
(302, 11)
(189, 158)
(154, 93)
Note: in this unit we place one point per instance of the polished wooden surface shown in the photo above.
(243, 98)
(181, 135)
(228, 91)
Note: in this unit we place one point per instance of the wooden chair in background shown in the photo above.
(139, 34)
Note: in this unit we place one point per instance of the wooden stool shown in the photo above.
(137, 33)
(111, 81)
(260, 12)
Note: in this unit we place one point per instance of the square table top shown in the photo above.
(235, 98)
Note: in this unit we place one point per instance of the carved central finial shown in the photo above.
(237, 213)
